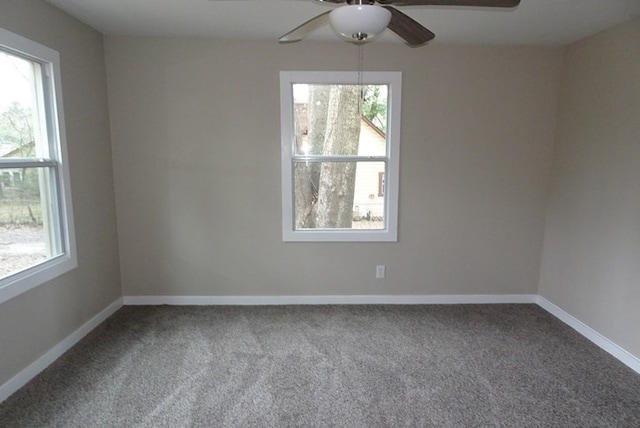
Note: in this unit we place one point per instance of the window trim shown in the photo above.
(27, 279)
(394, 81)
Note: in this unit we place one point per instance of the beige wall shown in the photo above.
(591, 258)
(196, 146)
(34, 322)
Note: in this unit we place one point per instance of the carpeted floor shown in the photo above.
(321, 366)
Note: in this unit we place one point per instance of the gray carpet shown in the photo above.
(321, 366)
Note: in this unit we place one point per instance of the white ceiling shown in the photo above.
(534, 22)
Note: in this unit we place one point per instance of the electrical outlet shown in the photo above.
(380, 271)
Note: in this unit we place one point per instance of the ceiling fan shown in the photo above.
(360, 21)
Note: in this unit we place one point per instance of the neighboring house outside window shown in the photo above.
(340, 134)
(381, 183)
(36, 227)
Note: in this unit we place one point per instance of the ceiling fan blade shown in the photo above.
(303, 30)
(476, 3)
(409, 29)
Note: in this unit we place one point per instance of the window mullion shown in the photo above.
(27, 163)
(320, 159)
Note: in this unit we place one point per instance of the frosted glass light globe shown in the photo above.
(359, 23)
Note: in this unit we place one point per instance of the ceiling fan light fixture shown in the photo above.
(359, 23)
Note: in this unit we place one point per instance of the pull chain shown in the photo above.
(360, 73)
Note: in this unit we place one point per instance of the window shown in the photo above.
(36, 228)
(340, 135)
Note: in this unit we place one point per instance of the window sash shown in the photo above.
(367, 206)
(49, 207)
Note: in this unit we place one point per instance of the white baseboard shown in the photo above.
(618, 352)
(445, 299)
(21, 379)
(333, 300)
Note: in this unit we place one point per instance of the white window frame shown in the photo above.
(392, 159)
(49, 60)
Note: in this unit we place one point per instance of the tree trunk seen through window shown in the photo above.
(324, 191)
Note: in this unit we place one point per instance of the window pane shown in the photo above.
(338, 195)
(340, 120)
(21, 132)
(28, 219)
